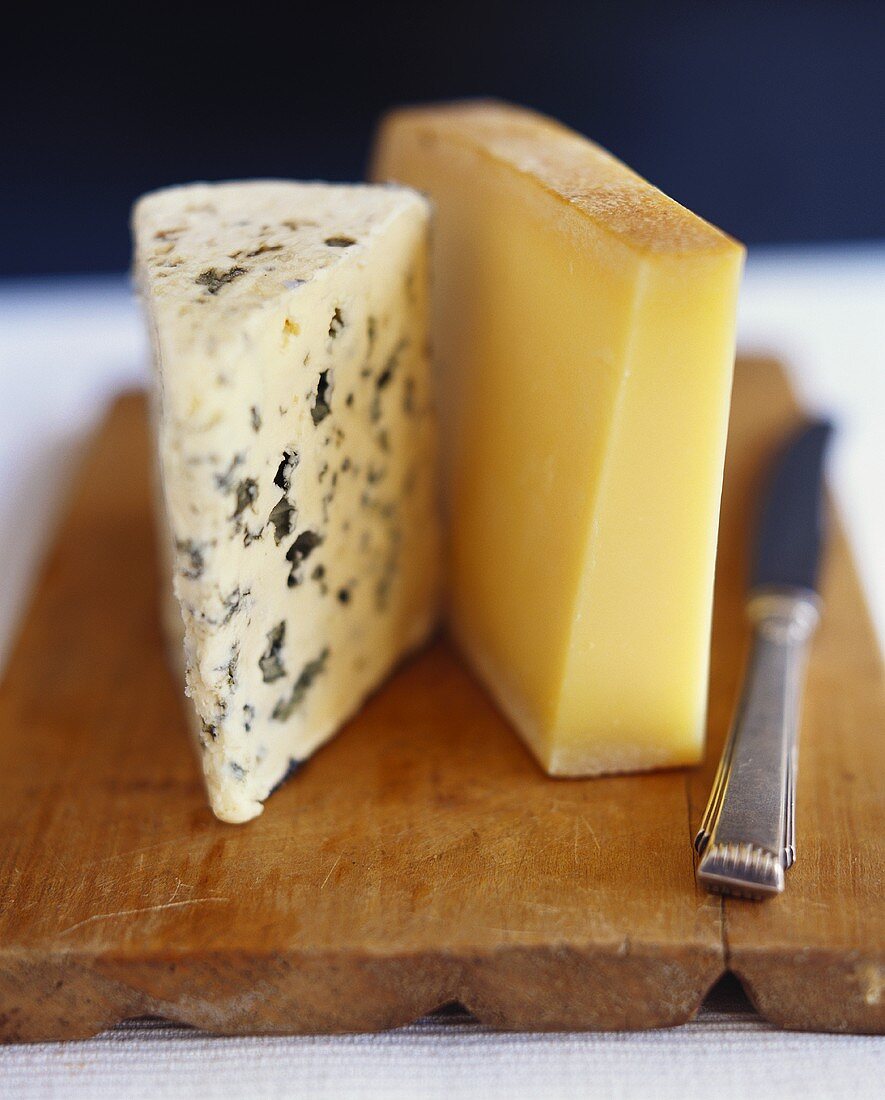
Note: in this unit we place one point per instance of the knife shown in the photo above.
(747, 836)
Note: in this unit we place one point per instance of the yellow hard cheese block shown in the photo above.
(584, 334)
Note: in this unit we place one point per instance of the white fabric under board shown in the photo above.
(66, 346)
(722, 1056)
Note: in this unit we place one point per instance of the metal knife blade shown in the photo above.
(790, 531)
(747, 836)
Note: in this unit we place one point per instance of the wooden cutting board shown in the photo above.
(421, 857)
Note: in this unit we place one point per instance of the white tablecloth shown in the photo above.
(722, 1056)
(65, 346)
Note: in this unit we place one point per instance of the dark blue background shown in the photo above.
(765, 117)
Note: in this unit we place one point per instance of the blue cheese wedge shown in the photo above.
(296, 458)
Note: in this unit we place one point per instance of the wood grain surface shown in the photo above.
(421, 857)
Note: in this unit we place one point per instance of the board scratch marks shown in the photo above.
(178, 885)
(331, 869)
(592, 833)
(141, 909)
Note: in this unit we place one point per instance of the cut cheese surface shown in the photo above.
(584, 328)
(296, 448)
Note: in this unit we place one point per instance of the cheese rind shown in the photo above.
(296, 446)
(584, 328)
